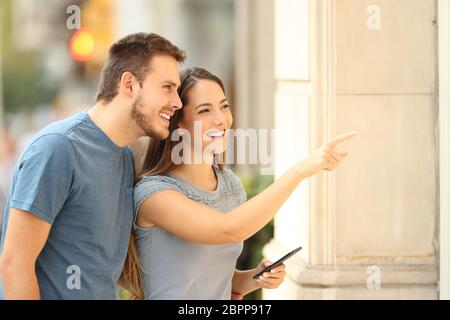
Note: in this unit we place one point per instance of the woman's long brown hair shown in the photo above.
(157, 162)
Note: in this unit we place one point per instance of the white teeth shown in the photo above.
(216, 134)
(165, 115)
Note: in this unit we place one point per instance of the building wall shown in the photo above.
(369, 228)
(254, 72)
(444, 148)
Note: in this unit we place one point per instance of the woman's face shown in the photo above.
(207, 107)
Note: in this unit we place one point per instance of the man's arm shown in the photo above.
(25, 237)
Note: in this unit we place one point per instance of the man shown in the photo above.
(69, 211)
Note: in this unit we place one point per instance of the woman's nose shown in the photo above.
(219, 118)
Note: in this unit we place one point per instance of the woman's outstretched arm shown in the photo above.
(196, 222)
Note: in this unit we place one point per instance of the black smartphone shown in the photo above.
(277, 263)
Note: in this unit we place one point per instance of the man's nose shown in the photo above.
(176, 102)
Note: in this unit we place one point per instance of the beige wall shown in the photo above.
(254, 69)
(385, 86)
(335, 74)
(444, 147)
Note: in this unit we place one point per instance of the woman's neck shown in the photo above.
(200, 175)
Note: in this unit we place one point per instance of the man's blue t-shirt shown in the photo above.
(75, 178)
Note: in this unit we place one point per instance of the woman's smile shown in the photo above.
(215, 133)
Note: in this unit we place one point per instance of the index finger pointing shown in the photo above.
(333, 143)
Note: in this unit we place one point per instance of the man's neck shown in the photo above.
(114, 122)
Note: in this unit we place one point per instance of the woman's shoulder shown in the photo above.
(148, 186)
(157, 181)
(228, 174)
(155, 178)
(234, 183)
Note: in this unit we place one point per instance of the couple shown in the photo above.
(73, 201)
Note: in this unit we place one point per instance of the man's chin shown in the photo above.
(160, 134)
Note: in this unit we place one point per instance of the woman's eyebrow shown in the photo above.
(209, 104)
(203, 105)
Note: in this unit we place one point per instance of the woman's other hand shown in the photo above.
(271, 279)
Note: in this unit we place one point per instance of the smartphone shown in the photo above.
(277, 263)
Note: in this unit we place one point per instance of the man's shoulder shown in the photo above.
(62, 127)
(55, 136)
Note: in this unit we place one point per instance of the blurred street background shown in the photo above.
(50, 71)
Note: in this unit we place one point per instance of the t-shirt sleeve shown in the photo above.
(44, 177)
(151, 185)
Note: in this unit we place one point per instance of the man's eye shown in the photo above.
(225, 106)
(167, 87)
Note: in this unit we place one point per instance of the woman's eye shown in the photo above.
(203, 111)
(225, 106)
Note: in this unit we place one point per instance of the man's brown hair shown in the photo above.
(133, 54)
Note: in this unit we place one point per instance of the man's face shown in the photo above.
(158, 98)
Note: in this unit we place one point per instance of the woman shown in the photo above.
(191, 219)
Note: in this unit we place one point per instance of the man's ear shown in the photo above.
(127, 82)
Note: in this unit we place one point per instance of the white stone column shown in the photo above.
(369, 228)
(444, 138)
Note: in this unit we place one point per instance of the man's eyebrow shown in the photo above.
(209, 104)
(169, 82)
